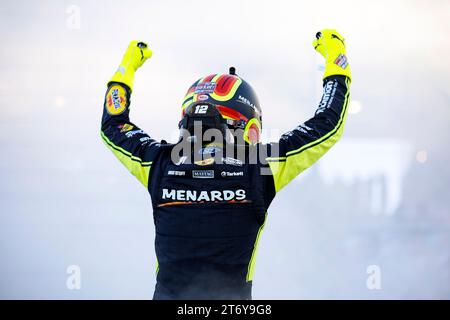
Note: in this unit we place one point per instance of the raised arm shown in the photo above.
(300, 148)
(133, 147)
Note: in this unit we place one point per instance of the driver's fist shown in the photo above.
(135, 56)
(331, 45)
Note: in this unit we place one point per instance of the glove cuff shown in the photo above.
(337, 64)
(123, 75)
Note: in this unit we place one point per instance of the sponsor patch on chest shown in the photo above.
(203, 174)
(232, 173)
(203, 195)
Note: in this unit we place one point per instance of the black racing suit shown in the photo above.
(209, 215)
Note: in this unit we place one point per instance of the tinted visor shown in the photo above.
(202, 116)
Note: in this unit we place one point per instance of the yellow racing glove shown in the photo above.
(331, 45)
(135, 56)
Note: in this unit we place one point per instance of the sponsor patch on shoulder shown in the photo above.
(116, 100)
(130, 134)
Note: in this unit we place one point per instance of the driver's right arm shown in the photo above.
(132, 146)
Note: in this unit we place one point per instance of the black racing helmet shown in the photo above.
(223, 101)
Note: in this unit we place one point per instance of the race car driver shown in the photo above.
(210, 196)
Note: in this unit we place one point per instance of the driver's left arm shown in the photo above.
(300, 148)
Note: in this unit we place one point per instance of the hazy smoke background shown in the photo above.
(381, 197)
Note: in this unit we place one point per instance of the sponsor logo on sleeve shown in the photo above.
(125, 127)
(129, 134)
(328, 96)
(116, 100)
(144, 139)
